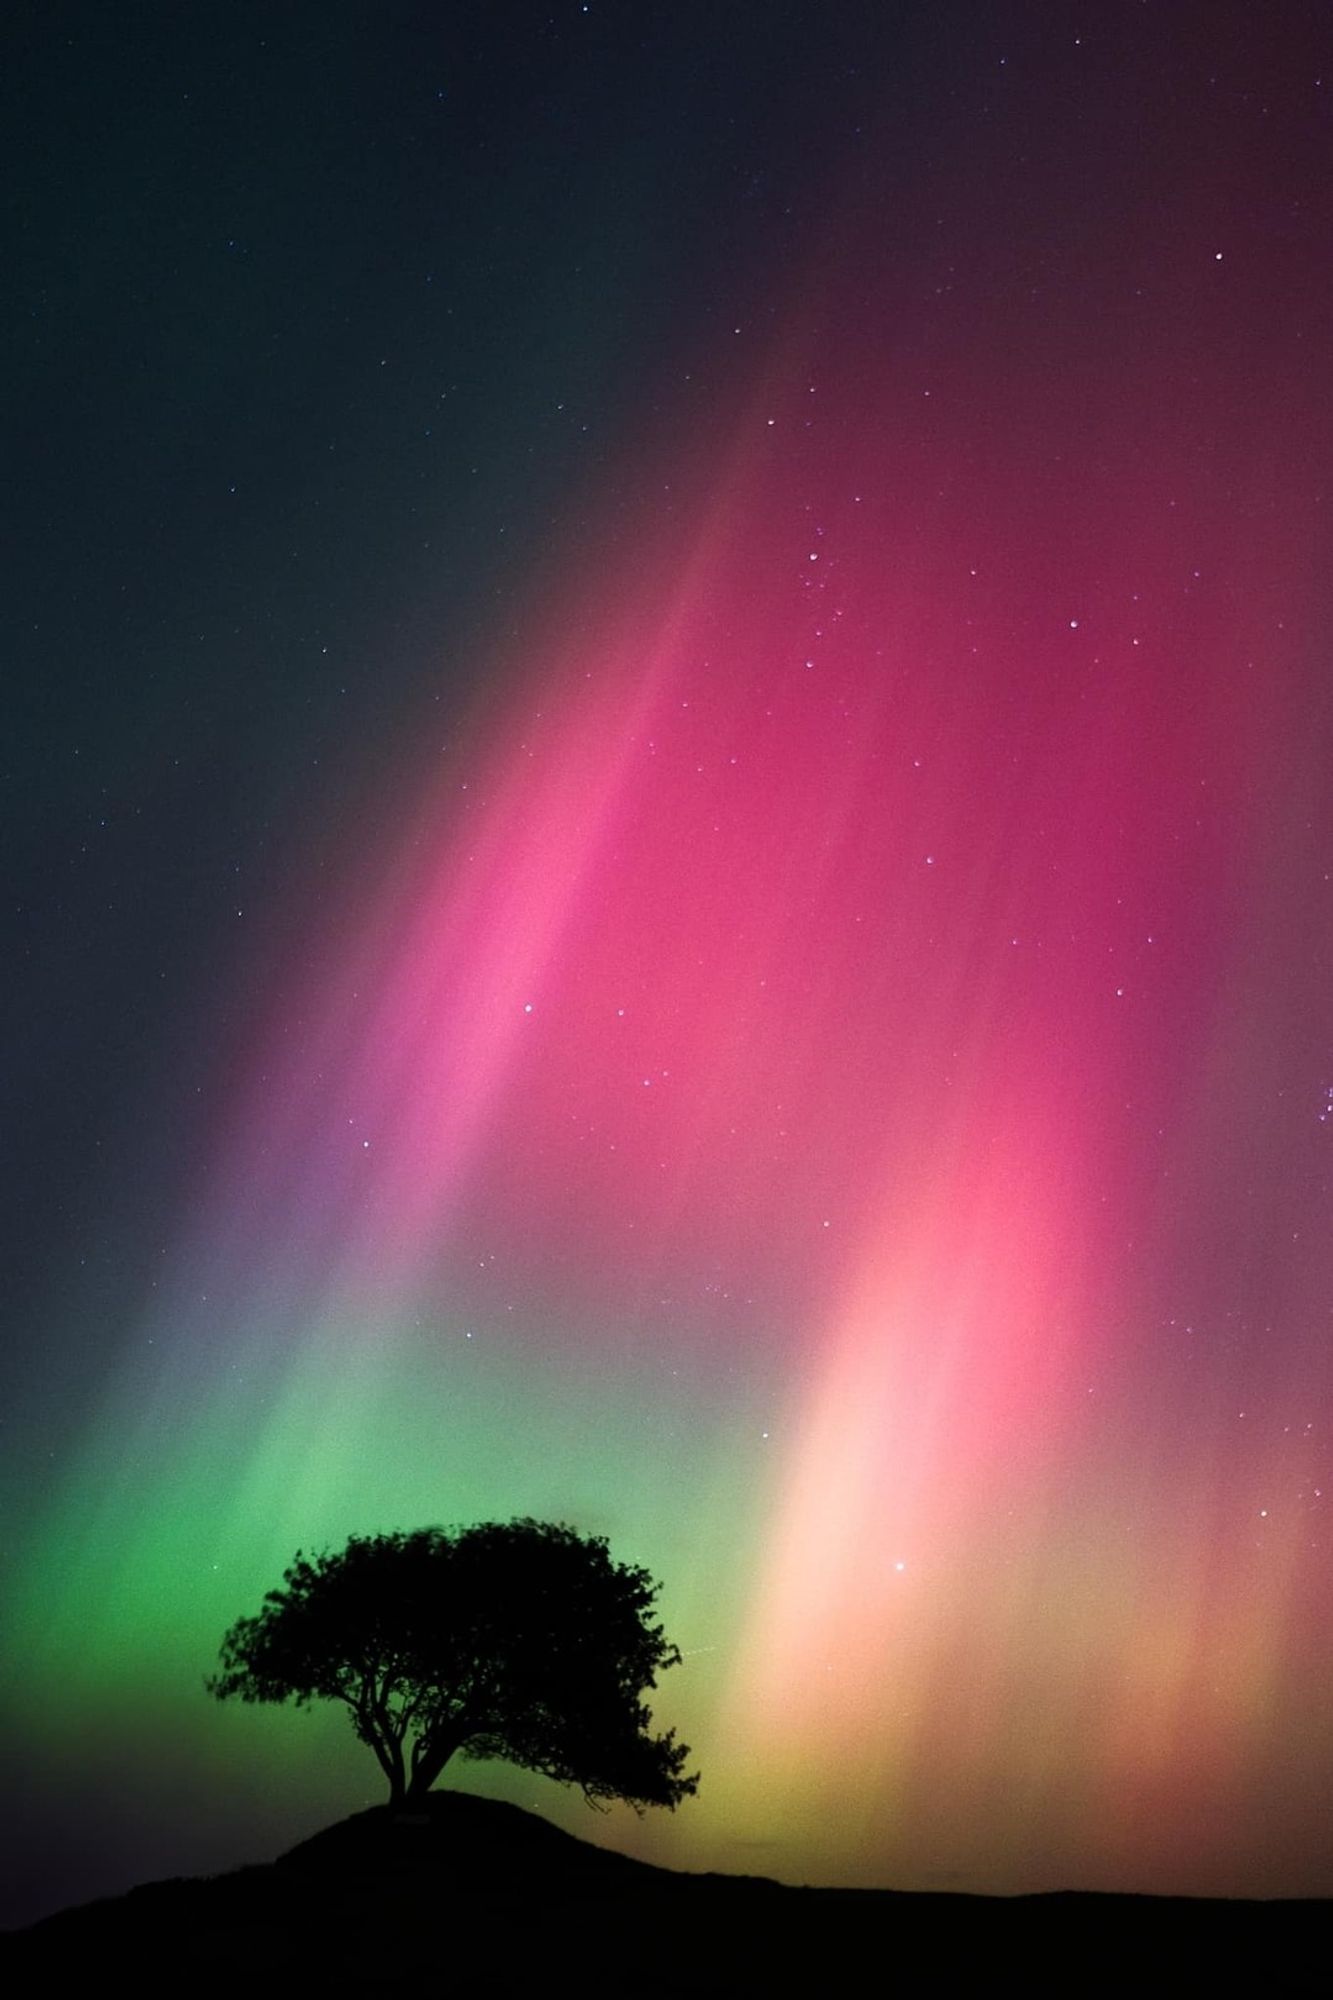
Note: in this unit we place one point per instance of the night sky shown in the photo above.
(667, 754)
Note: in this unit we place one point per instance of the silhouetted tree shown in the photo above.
(518, 1639)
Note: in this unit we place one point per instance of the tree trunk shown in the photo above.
(428, 1760)
(388, 1750)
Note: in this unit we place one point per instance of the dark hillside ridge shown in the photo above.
(481, 1890)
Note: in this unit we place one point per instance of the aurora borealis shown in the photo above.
(724, 934)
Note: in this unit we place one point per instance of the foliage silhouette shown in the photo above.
(519, 1639)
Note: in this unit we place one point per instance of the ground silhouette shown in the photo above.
(471, 1888)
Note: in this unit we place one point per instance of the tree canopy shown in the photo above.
(521, 1640)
